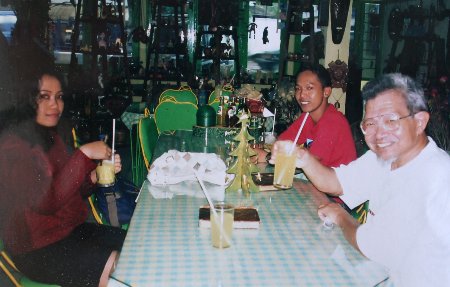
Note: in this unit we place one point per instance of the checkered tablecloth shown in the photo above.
(130, 119)
(165, 247)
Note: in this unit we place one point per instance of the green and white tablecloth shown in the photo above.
(165, 246)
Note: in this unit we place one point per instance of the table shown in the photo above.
(133, 114)
(165, 247)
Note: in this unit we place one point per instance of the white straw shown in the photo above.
(232, 79)
(205, 191)
(113, 140)
(139, 194)
(208, 198)
(298, 134)
(274, 117)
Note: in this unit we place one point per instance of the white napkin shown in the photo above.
(188, 188)
(174, 167)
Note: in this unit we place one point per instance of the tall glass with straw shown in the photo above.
(285, 160)
(105, 170)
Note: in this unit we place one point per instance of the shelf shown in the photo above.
(217, 58)
(100, 53)
(297, 33)
(90, 19)
(298, 8)
(218, 32)
(169, 48)
(168, 51)
(171, 3)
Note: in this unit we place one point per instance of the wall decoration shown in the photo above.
(339, 12)
(338, 71)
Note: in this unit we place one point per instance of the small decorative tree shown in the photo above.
(242, 167)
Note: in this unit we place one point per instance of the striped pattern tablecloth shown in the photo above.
(165, 246)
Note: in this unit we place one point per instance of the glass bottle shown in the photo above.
(221, 110)
(231, 111)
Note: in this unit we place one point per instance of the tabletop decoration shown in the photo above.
(174, 167)
(242, 166)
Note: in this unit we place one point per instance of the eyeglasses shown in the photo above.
(43, 96)
(389, 122)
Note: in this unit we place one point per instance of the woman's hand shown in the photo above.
(97, 150)
(117, 163)
(117, 168)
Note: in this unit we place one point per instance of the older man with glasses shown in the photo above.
(406, 179)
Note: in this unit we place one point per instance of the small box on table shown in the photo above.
(244, 217)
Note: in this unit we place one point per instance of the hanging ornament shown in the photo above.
(338, 71)
(337, 103)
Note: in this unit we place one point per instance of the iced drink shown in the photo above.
(105, 173)
(284, 167)
(222, 225)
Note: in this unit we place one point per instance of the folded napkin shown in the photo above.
(175, 166)
(187, 188)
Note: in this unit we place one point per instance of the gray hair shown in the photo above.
(410, 90)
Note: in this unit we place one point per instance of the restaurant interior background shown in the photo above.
(119, 55)
(118, 52)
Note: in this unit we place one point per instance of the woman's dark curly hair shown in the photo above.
(24, 107)
(20, 118)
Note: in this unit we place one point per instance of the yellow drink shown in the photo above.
(284, 170)
(105, 173)
(222, 225)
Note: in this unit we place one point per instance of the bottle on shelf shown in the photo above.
(231, 112)
(221, 113)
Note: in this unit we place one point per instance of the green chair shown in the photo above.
(14, 275)
(148, 136)
(171, 116)
(144, 137)
(183, 94)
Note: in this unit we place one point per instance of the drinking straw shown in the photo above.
(113, 139)
(274, 117)
(232, 79)
(291, 150)
(208, 198)
(298, 134)
(139, 194)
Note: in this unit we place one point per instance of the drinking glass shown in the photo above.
(222, 224)
(284, 166)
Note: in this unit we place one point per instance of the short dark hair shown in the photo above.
(322, 74)
(409, 89)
